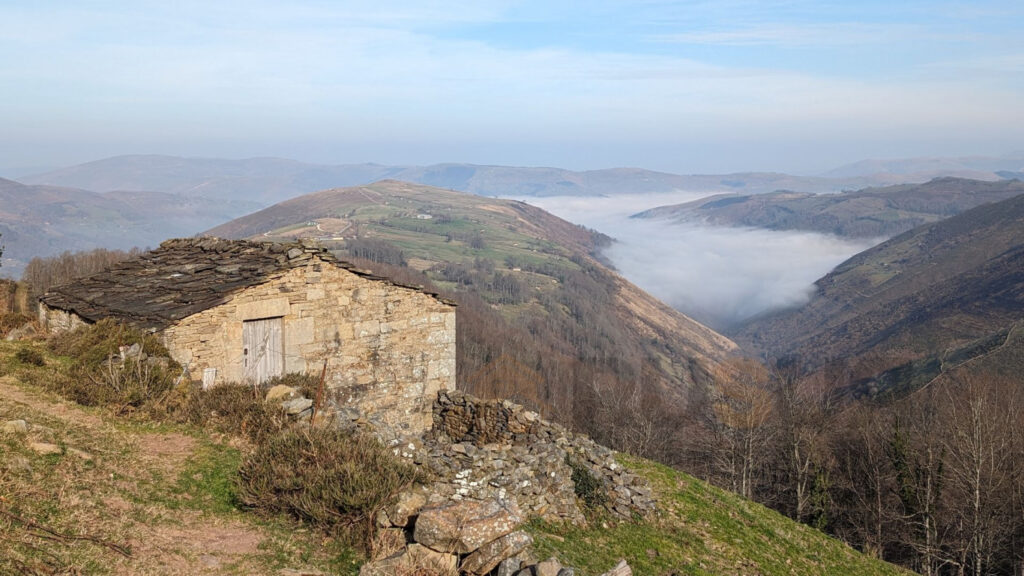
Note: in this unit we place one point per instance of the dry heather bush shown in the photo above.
(334, 480)
(11, 320)
(30, 356)
(230, 408)
(98, 376)
(306, 384)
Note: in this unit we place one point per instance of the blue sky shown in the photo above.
(678, 86)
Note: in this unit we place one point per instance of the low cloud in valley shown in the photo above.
(718, 275)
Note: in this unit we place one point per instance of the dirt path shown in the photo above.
(121, 483)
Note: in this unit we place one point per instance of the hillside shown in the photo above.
(930, 299)
(87, 491)
(42, 220)
(270, 180)
(529, 288)
(926, 168)
(868, 213)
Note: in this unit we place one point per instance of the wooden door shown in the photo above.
(262, 350)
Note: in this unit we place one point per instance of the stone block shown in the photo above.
(462, 527)
(14, 427)
(488, 556)
(409, 560)
(408, 505)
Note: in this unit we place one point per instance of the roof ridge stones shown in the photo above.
(184, 276)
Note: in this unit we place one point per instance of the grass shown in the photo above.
(162, 492)
(701, 530)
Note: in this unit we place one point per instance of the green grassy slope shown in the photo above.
(701, 529)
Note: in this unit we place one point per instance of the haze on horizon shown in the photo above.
(684, 87)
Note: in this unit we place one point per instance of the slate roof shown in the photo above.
(186, 276)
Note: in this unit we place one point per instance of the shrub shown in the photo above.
(335, 480)
(93, 345)
(11, 320)
(30, 356)
(588, 487)
(230, 408)
(306, 384)
(99, 376)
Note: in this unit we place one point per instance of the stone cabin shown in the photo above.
(248, 311)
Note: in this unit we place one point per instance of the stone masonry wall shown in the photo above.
(56, 321)
(389, 349)
(495, 449)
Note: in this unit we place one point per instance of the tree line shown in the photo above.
(41, 273)
(933, 481)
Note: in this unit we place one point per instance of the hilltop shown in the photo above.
(531, 291)
(867, 213)
(936, 297)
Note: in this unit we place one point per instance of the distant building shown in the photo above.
(252, 311)
(424, 217)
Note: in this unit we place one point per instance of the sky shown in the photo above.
(679, 86)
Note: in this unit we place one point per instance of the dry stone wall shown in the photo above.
(497, 449)
(57, 321)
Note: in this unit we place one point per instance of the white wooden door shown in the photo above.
(262, 350)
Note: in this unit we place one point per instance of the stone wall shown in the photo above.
(389, 349)
(56, 321)
(497, 449)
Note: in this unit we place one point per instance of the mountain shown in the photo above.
(868, 213)
(42, 220)
(899, 314)
(536, 306)
(270, 180)
(926, 168)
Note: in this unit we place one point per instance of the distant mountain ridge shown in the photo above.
(926, 168)
(272, 180)
(908, 309)
(42, 220)
(867, 213)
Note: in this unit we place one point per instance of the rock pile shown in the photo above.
(473, 537)
(498, 449)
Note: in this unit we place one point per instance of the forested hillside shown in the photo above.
(902, 312)
(541, 320)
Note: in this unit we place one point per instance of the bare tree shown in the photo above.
(982, 414)
(742, 405)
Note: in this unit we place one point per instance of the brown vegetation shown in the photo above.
(932, 482)
(337, 481)
(41, 274)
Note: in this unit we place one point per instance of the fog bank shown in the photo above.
(718, 275)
